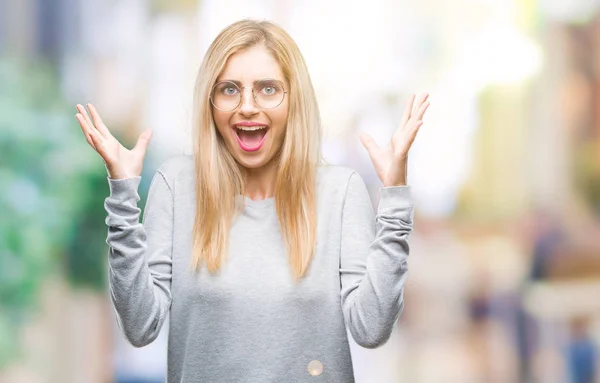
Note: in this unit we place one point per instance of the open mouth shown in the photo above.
(251, 138)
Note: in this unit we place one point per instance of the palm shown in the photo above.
(120, 162)
(390, 161)
(382, 159)
(130, 159)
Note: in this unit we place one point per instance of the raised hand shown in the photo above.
(390, 161)
(120, 162)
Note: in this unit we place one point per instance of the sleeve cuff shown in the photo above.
(123, 186)
(395, 197)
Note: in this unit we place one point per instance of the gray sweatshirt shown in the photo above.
(252, 322)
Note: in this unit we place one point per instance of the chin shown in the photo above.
(251, 161)
(254, 163)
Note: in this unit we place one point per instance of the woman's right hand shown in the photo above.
(120, 162)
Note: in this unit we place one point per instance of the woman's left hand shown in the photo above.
(390, 161)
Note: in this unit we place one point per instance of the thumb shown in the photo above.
(369, 143)
(144, 140)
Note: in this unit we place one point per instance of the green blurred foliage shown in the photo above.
(53, 186)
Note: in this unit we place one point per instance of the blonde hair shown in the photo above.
(219, 179)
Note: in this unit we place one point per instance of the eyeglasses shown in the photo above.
(227, 95)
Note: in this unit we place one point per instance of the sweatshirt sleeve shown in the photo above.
(373, 260)
(140, 256)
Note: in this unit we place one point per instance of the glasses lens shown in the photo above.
(225, 96)
(268, 93)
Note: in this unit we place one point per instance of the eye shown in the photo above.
(229, 90)
(269, 90)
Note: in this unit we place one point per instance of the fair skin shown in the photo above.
(390, 162)
(259, 167)
(120, 162)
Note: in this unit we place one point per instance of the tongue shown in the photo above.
(251, 138)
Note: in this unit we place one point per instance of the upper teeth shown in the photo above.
(250, 127)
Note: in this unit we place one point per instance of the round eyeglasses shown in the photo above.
(227, 95)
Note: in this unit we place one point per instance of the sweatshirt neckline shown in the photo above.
(262, 203)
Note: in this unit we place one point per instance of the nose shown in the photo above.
(248, 106)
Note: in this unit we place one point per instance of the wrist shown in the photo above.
(399, 176)
(116, 174)
(395, 184)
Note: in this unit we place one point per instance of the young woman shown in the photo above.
(259, 253)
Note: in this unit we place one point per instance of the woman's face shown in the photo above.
(253, 134)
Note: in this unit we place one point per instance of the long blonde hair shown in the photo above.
(218, 176)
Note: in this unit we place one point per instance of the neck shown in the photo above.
(260, 182)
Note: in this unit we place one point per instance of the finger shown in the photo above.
(144, 141)
(89, 123)
(421, 111)
(85, 129)
(416, 130)
(407, 110)
(97, 143)
(414, 124)
(98, 146)
(98, 121)
(81, 109)
(369, 143)
(422, 98)
(402, 146)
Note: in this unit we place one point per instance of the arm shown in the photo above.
(140, 256)
(373, 260)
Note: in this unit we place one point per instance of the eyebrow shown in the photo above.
(239, 83)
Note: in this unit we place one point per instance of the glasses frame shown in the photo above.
(241, 89)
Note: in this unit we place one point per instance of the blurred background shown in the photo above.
(504, 281)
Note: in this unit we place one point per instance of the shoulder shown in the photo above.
(175, 167)
(334, 174)
(338, 180)
(338, 175)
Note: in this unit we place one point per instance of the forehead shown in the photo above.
(251, 64)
